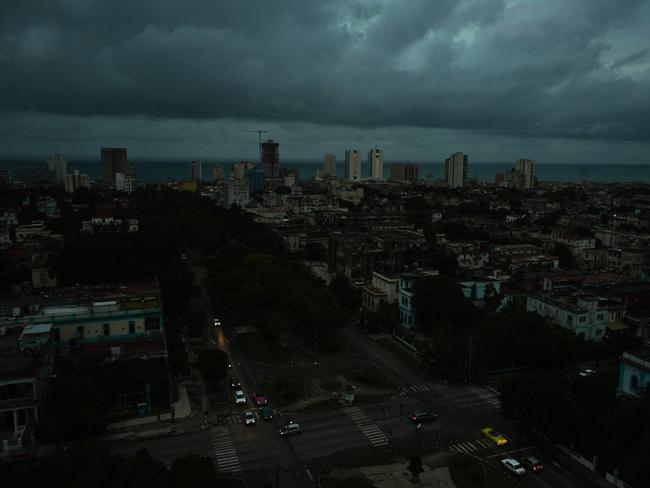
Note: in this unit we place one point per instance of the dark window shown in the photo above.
(131, 327)
(152, 323)
(80, 331)
(107, 329)
(57, 334)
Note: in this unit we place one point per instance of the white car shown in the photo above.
(585, 373)
(513, 465)
(249, 417)
(217, 322)
(240, 397)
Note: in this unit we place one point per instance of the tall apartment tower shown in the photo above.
(456, 170)
(59, 165)
(196, 171)
(352, 164)
(270, 156)
(376, 163)
(113, 161)
(527, 168)
(329, 164)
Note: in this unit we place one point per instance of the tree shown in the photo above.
(439, 302)
(415, 467)
(566, 259)
(213, 365)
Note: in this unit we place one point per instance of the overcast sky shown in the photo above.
(552, 80)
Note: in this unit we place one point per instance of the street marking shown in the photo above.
(224, 449)
(421, 388)
(491, 397)
(373, 433)
(510, 452)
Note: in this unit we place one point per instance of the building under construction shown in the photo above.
(270, 156)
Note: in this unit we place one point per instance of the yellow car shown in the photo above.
(494, 436)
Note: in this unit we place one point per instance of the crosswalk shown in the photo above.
(227, 460)
(468, 447)
(373, 433)
(489, 395)
(421, 388)
(235, 419)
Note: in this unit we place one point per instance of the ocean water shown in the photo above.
(157, 170)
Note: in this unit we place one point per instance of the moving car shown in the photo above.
(234, 382)
(513, 465)
(493, 436)
(585, 373)
(267, 413)
(423, 416)
(290, 429)
(533, 464)
(217, 322)
(240, 397)
(249, 417)
(260, 400)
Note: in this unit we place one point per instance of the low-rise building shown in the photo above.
(634, 373)
(26, 363)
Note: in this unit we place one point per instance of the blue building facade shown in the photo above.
(634, 374)
(256, 180)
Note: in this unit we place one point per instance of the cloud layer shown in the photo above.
(559, 70)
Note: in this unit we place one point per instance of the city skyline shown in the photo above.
(482, 76)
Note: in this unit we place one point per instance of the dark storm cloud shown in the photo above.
(575, 69)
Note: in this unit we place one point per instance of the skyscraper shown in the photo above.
(527, 168)
(270, 156)
(113, 161)
(404, 172)
(376, 163)
(75, 181)
(456, 170)
(329, 164)
(352, 164)
(196, 171)
(59, 165)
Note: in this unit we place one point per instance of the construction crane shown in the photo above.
(259, 133)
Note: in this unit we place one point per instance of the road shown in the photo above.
(258, 453)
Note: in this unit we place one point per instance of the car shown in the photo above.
(260, 400)
(235, 383)
(240, 397)
(423, 416)
(267, 413)
(217, 322)
(494, 437)
(513, 465)
(290, 429)
(249, 417)
(585, 373)
(533, 464)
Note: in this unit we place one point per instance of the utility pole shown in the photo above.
(469, 362)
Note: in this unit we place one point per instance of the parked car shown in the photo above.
(423, 416)
(240, 397)
(533, 464)
(513, 465)
(249, 417)
(493, 436)
(290, 429)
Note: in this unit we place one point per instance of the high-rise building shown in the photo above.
(75, 181)
(352, 165)
(527, 168)
(456, 170)
(217, 173)
(239, 169)
(236, 192)
(35, 176)
(404, 172)
(256, 179)
(270, 156)
(329, 164)
(60, 167)
(113, 161)
(376, 163)
(196, 172)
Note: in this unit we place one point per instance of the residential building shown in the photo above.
(405, 173)
(196, 172)
(352, 165)
(59, 166)
(406, 296)
(634, 373)
(376, 163)
(104, 320)
(26, 364)
(329, 164)
(456, 170)
(217, 173)
(382, 288)
(75, 181)
(114, 161)
(34, 231)
(270, 157)
(236, 192)
(584, 315)
(479, 290)
(239, 169)
(527, 168)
